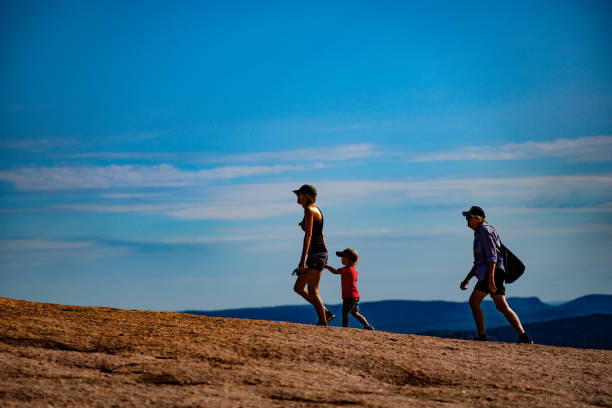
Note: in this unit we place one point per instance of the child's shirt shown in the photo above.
(349, 282)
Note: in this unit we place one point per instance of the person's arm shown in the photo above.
(492, 286)
(332, 270)
(308, 217)
(488, 243)
(464, 283)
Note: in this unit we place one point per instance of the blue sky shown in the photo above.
(148, 149)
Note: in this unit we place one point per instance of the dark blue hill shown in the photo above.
(593, 331)
(411, 316)
(585, 305)
(598, 303)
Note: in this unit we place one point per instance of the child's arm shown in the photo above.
(332, 270)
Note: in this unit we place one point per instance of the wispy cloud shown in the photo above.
(246, 201)
(235, 211)
(252, 201)
(41, 244)
(117, 176)
(308, 155)
(38, 145)
(122, 209)
(129, 196)
(595, 148)
(320, 154)
(167, 175)
(513, 189)
(347, 128)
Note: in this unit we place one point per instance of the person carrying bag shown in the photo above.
(491, 268)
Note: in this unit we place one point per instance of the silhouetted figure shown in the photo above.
(489, 269)
(350, 294)
(314, 253)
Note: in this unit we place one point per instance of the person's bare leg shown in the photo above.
(344, 319)
(502, 305)
(475, 300)
(313, 277)
(299, 288)
(361, 319)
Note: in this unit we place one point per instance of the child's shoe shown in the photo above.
(329, 316)
(524, 339)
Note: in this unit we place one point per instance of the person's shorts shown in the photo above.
(350, 305)
(316, 261)
(483, 285)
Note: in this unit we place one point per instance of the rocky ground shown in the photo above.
(54, 355)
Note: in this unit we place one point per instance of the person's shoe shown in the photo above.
(480, 337)
(329, 316)
(524, 339)
(368, 327)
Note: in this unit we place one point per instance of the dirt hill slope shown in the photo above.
(53, 355)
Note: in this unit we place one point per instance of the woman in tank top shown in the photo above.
(314, 253)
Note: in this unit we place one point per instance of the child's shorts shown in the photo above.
(350, 305)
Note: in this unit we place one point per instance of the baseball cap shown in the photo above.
(306, 189)
(350, 252)
(474, 211)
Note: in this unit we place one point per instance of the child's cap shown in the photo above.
(350, 253)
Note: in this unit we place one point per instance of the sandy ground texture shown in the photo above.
(54, 355)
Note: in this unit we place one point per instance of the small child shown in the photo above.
(350, 295)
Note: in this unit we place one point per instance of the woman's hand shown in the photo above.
(492, 287)
(464, 284)
(302, 267)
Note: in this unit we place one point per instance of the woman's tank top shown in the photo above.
(317, 242)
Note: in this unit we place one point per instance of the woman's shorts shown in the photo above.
(316, 261)
(350, 305)
(483, 285)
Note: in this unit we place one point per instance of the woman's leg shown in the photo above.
(313, 276)
(504, 308)
(299, 288)
(475, 300)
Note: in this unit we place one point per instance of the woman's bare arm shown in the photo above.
(308, 218)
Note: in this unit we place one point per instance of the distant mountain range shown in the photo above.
(415, 317)
(594, 331)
